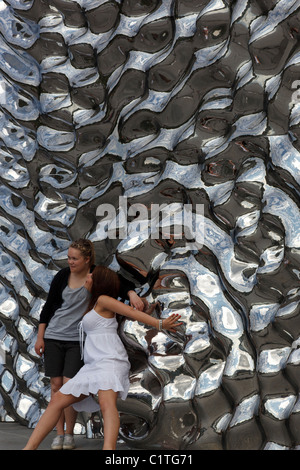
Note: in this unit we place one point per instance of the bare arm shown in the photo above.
(40, 345)
(135, 300)
(113, 305)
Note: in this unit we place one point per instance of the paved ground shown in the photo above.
(14, 436)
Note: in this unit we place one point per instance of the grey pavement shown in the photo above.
(13, 436)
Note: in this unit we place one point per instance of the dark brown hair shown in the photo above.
(105, 282)
(86, 248)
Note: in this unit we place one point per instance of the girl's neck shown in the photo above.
(78, 279)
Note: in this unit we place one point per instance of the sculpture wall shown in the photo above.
(184, 102)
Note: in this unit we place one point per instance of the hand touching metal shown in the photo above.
(170, 323)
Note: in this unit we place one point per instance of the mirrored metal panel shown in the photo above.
(167, 132)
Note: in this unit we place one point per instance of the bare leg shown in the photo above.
(56, 383)
(111, 425)
(49, 418)
(70, 415)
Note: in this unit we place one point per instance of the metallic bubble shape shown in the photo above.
(161, 102)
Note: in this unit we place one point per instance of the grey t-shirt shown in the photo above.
(64, 323)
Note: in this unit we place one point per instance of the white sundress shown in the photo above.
(106, 364)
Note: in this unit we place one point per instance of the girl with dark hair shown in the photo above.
(106, 369)
(58, 336)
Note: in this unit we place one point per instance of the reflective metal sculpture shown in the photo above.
(160, 102)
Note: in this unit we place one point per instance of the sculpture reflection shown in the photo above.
(168, 101)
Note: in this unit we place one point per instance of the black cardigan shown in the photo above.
(58, 284)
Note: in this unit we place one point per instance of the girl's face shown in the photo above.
(89, 282)
(77, 262)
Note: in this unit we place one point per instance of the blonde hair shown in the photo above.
(86, 248)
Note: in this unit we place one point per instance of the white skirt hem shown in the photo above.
(78, 387)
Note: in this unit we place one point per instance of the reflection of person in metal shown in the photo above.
(58, 336)
(106, 369)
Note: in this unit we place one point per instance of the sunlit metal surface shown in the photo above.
(164, 101)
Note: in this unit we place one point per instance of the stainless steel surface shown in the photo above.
(160, 101)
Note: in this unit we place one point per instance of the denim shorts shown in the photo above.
(62, 358)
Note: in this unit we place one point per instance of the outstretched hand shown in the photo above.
(170, 323)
